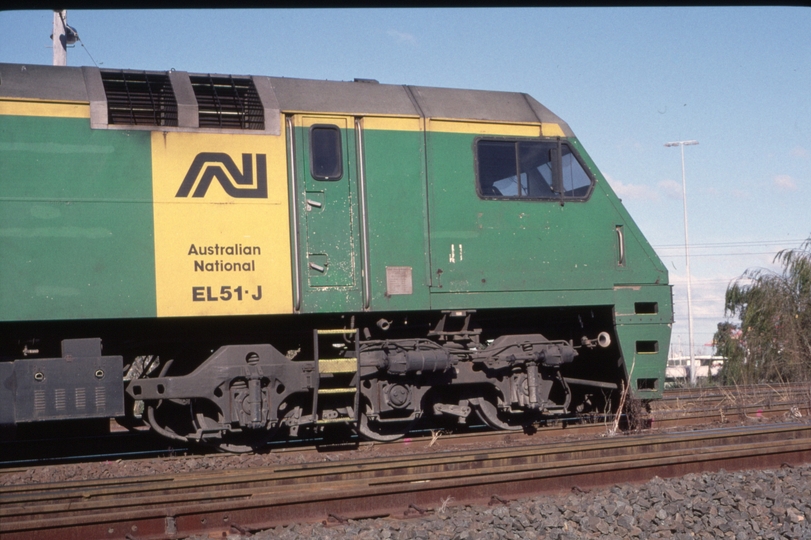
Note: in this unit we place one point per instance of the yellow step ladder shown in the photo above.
(331, 377)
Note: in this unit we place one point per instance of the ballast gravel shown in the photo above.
(767, 504)
(747, 505)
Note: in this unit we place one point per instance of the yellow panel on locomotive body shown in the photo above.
(221, 213)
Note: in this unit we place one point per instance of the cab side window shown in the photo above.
(521, 169)
(325, 152)
(576, 182)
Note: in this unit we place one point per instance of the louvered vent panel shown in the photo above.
(139, 98)
(228, 102)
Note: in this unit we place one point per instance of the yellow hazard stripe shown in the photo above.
(385, 123)
(484, 128)
(10, 107)
(441, 125)
(552, 130)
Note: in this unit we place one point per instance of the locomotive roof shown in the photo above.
(362, 97)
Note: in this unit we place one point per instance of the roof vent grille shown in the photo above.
(139, 98)
(228, 102)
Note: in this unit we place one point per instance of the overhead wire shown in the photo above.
(79, 39)
(88, 52)
(725, 249)
(735, 244)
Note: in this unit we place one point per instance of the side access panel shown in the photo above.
(325, 214)
(76, 232)
(397, 213)
(81, 384)
(643, 315)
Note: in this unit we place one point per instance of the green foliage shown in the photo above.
(773, 342)
(728, 344)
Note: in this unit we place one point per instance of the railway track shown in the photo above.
(742, 390)
(730, 397)
(174, 506)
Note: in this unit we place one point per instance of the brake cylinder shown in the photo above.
(428, 360)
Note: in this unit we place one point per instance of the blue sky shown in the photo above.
(627, 80)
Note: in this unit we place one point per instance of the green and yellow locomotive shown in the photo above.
(265, 256)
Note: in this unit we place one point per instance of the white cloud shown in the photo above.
(671, 189)
(634, 192)
(799, 152)
(784, 182)
(402, 37)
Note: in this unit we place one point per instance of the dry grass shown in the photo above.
(435, 435)
(444, 505)
(624, 390)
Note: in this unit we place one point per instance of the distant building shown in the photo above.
(678, 368)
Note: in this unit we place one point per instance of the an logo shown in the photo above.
(220, 166)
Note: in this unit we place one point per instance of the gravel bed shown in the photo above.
(747, 505)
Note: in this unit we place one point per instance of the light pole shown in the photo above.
(62, 36)
(693, 369)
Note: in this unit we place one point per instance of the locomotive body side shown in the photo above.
(444, 229)
(77, 217)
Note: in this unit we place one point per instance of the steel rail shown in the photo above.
(761, 388)
(261, 498)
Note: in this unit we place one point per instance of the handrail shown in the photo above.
(364, 225)
(294, 212)
(621, 243)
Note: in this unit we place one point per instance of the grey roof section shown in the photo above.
(269, 102)
(42, 82)
(96, 96)
(309, 95)
(342, 97)
(473, 104)
(483, 105)
(187, 108)
(547, 116)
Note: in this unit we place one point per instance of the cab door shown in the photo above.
(326, 204)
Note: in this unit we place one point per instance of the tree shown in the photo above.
(774, 343)
(728, 343)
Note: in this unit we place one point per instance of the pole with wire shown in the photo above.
(58, 37)
(62, 36)
(693, 369)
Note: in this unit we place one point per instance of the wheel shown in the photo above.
(488, 413)
(382, 431)
(164, 430)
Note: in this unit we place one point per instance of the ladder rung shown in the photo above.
(337, 365)
(338, 331)
(337, 390)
